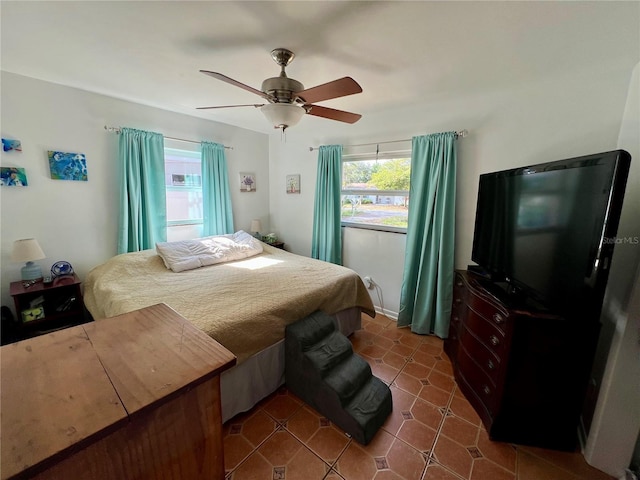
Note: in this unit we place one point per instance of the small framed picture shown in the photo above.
(13, 177)
(293, 183)
(67, 166)
(247, 182)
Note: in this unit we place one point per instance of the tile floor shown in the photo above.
(432, 434)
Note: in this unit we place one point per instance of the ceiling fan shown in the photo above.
(287, 98)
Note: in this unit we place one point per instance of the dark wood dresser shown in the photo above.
(524, 370)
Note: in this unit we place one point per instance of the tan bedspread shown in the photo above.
(245, 305)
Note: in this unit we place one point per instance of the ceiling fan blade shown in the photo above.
(231, 81)
(338, 88)
(257, 105)
(333, 114)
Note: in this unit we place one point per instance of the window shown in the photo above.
(183, 180)
(375, 193)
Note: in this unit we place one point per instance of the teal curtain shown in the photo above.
(143, 204)
(326, 242)
(216, 196)
(427, 283)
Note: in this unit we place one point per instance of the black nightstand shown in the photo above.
(279, 245)
(61, 302)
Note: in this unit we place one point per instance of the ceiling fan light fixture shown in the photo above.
(283, 115)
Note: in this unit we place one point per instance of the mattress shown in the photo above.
(244, 305)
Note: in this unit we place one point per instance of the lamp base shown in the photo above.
(31, 271)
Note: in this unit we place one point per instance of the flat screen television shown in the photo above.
(546, 232)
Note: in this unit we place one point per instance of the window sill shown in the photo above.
(378, 228)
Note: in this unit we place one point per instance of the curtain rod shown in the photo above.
(461, 133)
(117, 130)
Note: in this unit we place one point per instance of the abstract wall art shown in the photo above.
(13, 177)
(8, 144)
(68, 166)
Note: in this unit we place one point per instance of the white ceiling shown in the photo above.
(401, 53)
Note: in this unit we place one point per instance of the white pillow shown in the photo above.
(190, 254)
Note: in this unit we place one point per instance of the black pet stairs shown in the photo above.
(321, 369)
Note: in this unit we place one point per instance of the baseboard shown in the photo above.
(387, 313)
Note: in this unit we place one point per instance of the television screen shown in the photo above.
(544, 228)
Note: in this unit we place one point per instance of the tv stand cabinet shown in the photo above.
(524, 371)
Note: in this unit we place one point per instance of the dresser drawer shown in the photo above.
(480, 383)
(490, 312)
(488, 334)
(487, 360)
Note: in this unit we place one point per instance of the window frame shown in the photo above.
(401, 154)
(196, 156)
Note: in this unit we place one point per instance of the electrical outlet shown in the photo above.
(368, 282)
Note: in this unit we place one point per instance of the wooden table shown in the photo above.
(135, 396)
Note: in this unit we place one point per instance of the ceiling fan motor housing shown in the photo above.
(282, 88)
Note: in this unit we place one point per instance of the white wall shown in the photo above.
(616, 421)
(77, 221)
(559, 117)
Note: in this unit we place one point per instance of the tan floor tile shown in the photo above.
(305, 466)
(258, 427)
(460, 431)
(484, 469)
(405, 461)
(438, 472)
(573, 462)
(461, 407)
(394, 360)
(435, 395)
(408, 383)
(236, 449)
(423, 358)
(254, 468)
(442, 381)
(418, 435)
(502, 454)
(417, 370)
(281, 406)
(402, 350)
(304, 423)
(453, 456)
(328, 443)
(427, 413)
(402, 403)
(531, 467)
(280, 448)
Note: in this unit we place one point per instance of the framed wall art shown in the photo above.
(247, 182)
(67, 166)
(293, 183)
(13, 177)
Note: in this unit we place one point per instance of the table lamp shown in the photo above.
(28, 250)
(256, 228)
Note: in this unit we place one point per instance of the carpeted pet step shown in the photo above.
(347, 378)
(329, 352)
(321, 368)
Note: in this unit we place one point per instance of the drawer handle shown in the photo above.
(495, 341)
(455, 318)
(491, 365)
(498, 318)
(459, 283)
(486, 390)
(458, 301)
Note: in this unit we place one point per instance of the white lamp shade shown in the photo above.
(256, 226)
(283, 115)
(26, 250)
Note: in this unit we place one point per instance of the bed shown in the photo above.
(243, 304)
